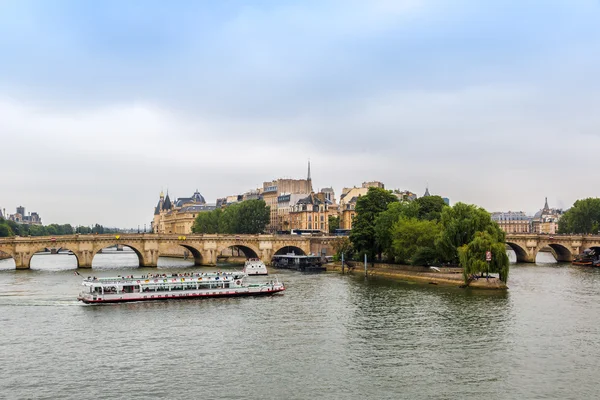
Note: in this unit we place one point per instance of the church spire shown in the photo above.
(309, 180)
(546, 205)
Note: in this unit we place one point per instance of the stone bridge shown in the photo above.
(564, 247)
(149, 247)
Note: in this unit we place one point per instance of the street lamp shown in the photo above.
(144, 228)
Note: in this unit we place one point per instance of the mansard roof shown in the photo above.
(196, 198)
(314, 200)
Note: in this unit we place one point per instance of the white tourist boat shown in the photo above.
(174, 286)
(254, 266)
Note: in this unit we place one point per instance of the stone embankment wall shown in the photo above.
(446, 276)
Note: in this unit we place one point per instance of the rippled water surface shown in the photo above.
(328, 337)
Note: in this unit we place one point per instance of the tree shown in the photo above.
(430, 207)
(368, 208)
(410, 236)
(583, 217)
(386, 220)
(334, 223)
(208, 222)
(52, 230)
(253, 216)
(5, 230)
(460, 223)
(473, 257)
(38, 230)
(341, 245)
(17, 229)
(248, 217)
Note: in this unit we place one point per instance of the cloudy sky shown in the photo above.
(103, 104)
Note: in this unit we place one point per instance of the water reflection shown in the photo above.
(330, 336)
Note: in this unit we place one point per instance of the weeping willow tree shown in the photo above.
(473, 257)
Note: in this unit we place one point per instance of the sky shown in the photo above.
(105, 104)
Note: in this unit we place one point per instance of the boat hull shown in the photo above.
(179, 296)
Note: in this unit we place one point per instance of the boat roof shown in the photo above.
(293, 256)
(167, 278)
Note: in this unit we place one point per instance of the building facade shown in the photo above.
(178, 216)
(21, 217)
(546, 220)
(273, 189)
(513, 221)
(311, 212)
(348, 199)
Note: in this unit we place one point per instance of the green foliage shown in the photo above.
(386, 220)
(334, 223)
(252, 216)
(49, 230)
(410, 236)
(84, 230)
(459, 226)
(473, 257)
(368, 207)
(583, 217)
(208, 222)
(5, 230)
(425, 256)
(341, 245)
(430, 207)
(17, 229)
(248, 217)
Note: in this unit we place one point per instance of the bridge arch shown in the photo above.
(519, 251)
(561, 252)
(138, 252)
(289, 249)
(26, 262)
(195, 253)
(249, 250)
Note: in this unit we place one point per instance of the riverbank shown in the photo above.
(446, 276)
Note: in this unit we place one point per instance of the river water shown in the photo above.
(328, 336)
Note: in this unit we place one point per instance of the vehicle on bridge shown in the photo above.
(173, 286)
(307, 232)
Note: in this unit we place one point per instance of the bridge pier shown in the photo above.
(150, 259)
(22, 260)
(209, 257)
(266, 256)
(530, 257)
(84, 258)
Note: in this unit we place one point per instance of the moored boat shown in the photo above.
(254, 266)
(588, 258)
(174, 286)
(299, 263)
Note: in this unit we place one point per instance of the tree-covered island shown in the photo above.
(426, 232)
